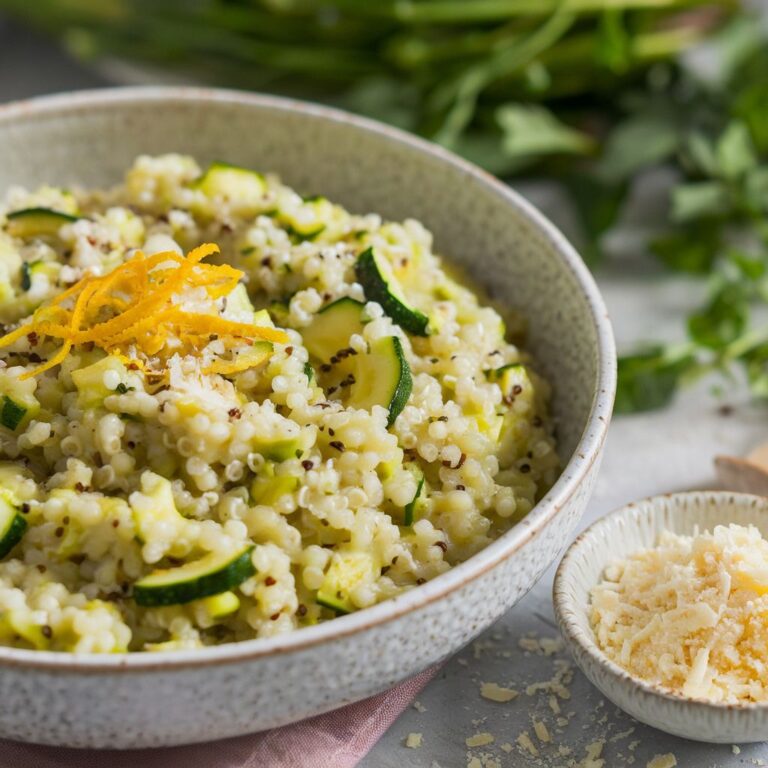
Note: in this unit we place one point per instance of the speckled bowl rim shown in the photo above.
(575, 636)
(584, 455)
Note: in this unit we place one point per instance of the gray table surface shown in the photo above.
(664, 451)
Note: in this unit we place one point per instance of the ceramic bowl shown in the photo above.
(615, 536)
(170, 698)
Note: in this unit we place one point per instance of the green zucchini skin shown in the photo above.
(382, 289)
(216, 173)
(26, 276)
(409, 513)
(32, 222)
(334, 604)
(231, 573)
(496, 374)
(344, 573)
(404, 384)
(11, 413)
(382, 377)
(12, 528)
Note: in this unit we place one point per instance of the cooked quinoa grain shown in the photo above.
(229, 411)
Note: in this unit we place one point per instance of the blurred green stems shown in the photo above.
(461, 11)
(465, 91)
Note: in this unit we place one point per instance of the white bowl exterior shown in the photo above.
(501, 240)
(164, 706)
(616, 536)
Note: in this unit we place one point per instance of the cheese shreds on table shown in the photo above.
(663, 761)
(498, 693)
(525, 742)
(541, 731)
(413, 740)
(479, 740)
(690, 614)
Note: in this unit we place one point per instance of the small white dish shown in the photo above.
(616, 536)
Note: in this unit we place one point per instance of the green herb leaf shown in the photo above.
(723, 320)
(691, 249)
(699, 199)
(649, 379)
(598, 206)
(533, 131)
(735, 151)
(640, 141)
(750, 267)
(613, 44)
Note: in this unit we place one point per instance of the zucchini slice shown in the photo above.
(382, 377)
(211, 575)
(26, 276)
(381, 285)
(279, 312)
(331, 328)
(15, 624)
(504, 374)
(89, 381)
(309, 221)
(516, 383)
(37, 222)
(346, 571)
(268, 489)
(31, 269)
(12, 526)
(279, 449)
(409, 512)
(154, 509)
(221, 605)
(17, 403)
(232, 182)
(11, 413)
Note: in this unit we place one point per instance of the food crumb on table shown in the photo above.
(413, 740)
(541, 731)
(479, 739)
(524, 740)
(592, 758)
(495, 692)
(663, 761)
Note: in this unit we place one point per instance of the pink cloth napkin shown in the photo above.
(338, 739)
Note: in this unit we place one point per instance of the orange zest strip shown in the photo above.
(23, 330)
(132, 311)
(213, 324)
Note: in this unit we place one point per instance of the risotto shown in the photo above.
(229, 411)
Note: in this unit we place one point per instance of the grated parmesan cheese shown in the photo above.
(413, 740)
(479, 740)
(524, 740)
(593, 759)
(663, 761)
(691, 614)
(498, 693)
(541, 731)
